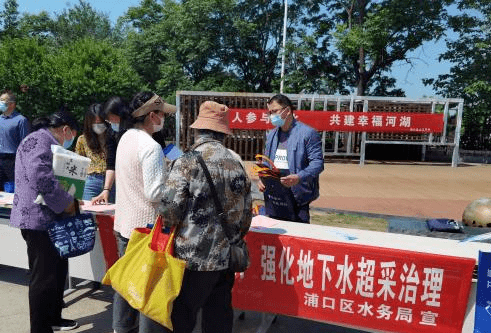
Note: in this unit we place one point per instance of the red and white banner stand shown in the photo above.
(354, 285)
(391, 122)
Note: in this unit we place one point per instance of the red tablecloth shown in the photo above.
(356, 285)
(344, 283)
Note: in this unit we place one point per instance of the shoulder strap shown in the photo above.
(221, 213)
(210, 183)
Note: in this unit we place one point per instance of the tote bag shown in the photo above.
(159, 239)
(149, 280)
(279, 202)
(74, 235)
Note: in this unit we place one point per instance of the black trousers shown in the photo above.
(46, 286)
(210, 291)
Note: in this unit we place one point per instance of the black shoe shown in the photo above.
(65, 325)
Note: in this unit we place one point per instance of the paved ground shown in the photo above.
(416, 190)
(389, 189)
(93, 310)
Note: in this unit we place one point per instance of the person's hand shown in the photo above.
(101, 199)
(290, 180)
(260, 185)
(71, 208)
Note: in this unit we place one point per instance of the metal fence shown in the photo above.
(248, 143)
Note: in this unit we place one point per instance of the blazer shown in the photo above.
(305, 158)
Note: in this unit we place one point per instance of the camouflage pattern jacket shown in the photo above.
(188, 204)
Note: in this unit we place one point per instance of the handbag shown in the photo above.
(239, 253)
(279, 202)
(446, 225)
(148, 279)
(74, 235)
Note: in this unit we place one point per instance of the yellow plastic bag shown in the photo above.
(148, 280)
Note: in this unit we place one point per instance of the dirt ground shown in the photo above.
(401, 189)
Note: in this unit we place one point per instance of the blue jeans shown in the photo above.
(125, 318)
(94, 184)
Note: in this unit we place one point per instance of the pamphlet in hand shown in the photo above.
(265, 167)
(89, 207)
(172, 152)
(70, 169)
(278, 199)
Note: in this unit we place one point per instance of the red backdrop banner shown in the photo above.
(355, 285)
(390, 122)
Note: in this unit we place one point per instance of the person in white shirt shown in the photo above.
(140, 171)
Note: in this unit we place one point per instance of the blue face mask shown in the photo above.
(67, 143)
(3, 106)
(276, 120)
(115, 127)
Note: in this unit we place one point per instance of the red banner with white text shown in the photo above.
(391, 122)
(363, 286)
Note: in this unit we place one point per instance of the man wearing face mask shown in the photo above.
(296, 150)
(14, 127)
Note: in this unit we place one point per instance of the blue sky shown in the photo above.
(114, 8)
(425, 65)
(425, 58)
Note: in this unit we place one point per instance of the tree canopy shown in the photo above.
(79, 56)
(470, 74)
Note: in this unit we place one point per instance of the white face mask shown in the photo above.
(98, 128)
(3, 106)
(115, 127)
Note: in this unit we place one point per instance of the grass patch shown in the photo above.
(349, 221)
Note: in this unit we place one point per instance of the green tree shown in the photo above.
(177, 45)
(10, 19)
(36, 25)
(470, 74)
(372, 35)
(23, 62)
(87, 71)
(81, 21)
(208, 44)
(253, 41)
(309, 69)
(78, 74)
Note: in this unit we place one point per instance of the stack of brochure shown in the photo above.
(264, 167)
